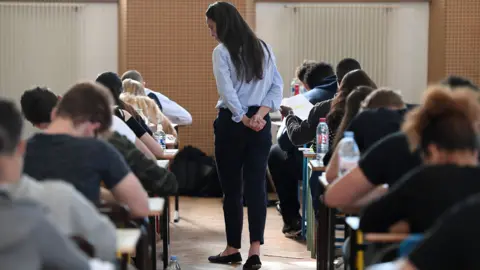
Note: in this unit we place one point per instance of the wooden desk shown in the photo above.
(156, 206)
(309, 154)
(169, 153)
(127, 240)
(316, 165)
(386, 237)
(163, 163)
(170, 141)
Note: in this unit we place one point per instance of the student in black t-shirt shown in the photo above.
(451, 244)
(445, 131)
(128, 114)
(381, 113)
(68, 150)
(384, 162)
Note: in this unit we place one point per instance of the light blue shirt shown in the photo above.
(237, 95)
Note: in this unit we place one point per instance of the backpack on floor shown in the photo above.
(196, 173)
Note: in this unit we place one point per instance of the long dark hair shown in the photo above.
(246, 50)
(352, 80)
(354, 101)
(113, 83)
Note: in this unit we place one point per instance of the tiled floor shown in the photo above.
(200, 233)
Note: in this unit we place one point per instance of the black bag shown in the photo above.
(196, 173)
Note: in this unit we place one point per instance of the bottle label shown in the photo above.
(322, 139)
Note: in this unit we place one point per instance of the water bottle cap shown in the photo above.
(323, 119)
(348, 134)
(173, 258)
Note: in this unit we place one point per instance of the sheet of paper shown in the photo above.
(300, 105)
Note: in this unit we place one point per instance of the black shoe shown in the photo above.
(233, 258)
(252, 263)
(279, 210)
(292, 230)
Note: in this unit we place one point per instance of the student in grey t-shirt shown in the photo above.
(29, 241)
(71, 212)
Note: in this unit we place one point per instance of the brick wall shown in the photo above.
(454, 39)
(169, 43)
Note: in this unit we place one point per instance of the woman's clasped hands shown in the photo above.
(256, 122)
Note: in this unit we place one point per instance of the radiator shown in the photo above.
(39, 46)
(331, 32)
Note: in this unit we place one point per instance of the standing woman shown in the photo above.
(249, 87)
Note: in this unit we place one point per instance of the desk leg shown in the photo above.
(331, 237)
(304, 197)
(176, 215)
(322, 238)
(153, 241)
(165, 228)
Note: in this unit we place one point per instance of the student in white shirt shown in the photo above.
(176, 113)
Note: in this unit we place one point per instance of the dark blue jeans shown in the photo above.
(241, 156)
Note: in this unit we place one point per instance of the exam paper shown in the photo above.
(300, 105)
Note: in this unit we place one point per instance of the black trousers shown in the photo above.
(241, 155)
(286, 170)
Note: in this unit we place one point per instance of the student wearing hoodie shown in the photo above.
(28, 239)
(285, 161)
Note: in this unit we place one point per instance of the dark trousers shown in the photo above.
(241, 156)
(286, 171)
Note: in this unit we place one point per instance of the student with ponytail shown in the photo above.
(445, 133)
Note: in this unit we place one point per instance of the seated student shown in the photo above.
(128, 114)
(302, 132)
(134, 94)
(176, 113)
(66, 207)
(381, 113)
(383, 163)
(452, 243)
(300, 73)
(333, 109)
(285, 161)
(322, 82)
(444, 130)
(153, 178)
(28, 240)
(36, 106)
(67, 150)
(38, 103)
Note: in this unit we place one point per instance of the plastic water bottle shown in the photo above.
(348, 153)
(322, 139)
(160, 136)
(173, 264)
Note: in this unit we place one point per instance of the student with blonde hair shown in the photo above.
(134, 95)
